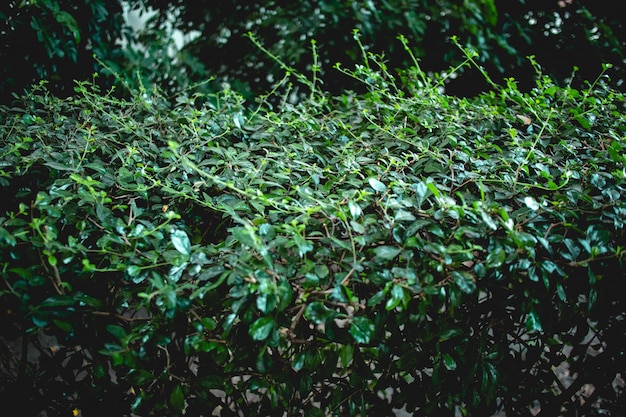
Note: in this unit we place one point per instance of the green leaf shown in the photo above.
(303, 245)
(245, 235)
(181, 242)
(399, 295)
(106, 217)
(584, 122)
(261, 328)
(266, 301)
(318, 313)
(177, 398)
(496, 258)
(488, 220)
(284, 294)
(133, 270)
(64, 325)
(355, 209)
(422, 192)
(58, 301)
(465, 281)
(210, 272)
(298, 360)
(448, 334)
(362, 329)
(533, 323)
(176, 272)
(117, 331)
(449, 362)
(377, 185)
(386, 253)
(403, 215)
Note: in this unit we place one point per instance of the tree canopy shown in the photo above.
(58, 39)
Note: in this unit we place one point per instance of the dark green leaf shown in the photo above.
(449, 362)
(465, 281)
(177, 398)
(362, 329)
(533, 323)
(386, 253)
(262, 328)
(117, 331)
(245, 235)
(318, 313)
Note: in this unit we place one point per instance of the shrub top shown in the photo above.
(319, 254)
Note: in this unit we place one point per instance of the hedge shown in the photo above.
(399, 249)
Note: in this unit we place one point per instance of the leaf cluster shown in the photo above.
(350, 255)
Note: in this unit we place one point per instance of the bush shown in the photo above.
(344, 256)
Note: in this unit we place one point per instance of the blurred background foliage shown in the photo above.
(63, 40)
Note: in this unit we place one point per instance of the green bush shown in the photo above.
(344, 256)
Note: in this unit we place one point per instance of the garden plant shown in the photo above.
(346, 255)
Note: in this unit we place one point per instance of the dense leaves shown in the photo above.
(347, 255)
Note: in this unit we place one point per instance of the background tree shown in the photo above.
(57, 39)
(562, 34)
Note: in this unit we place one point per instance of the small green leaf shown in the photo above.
(303, 245)
(355, 209)
(58, 301)
(448, 334)
(298, 360)
(176, 272)
(377, 185)
(318, 313)
(584, 122)
(105, 216)
(261, 328)
(362, 329)
(266, 301)
(245, 235)
(399, 295)
(177, 398)
(449, 362)
(210, 272)
(496, 258)
(181, 242)
(533, 322)
(386, 253)
(403, 215)
(422, 192)
(133, 270)
(465, 281)
(285, 295)
(63, 325)
(488, 220)
(117, 331)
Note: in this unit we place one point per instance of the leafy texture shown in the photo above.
(394, 249)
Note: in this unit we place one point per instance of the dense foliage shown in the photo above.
(55, 40)
(561, 34)
(62, 40)
(349, 255)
